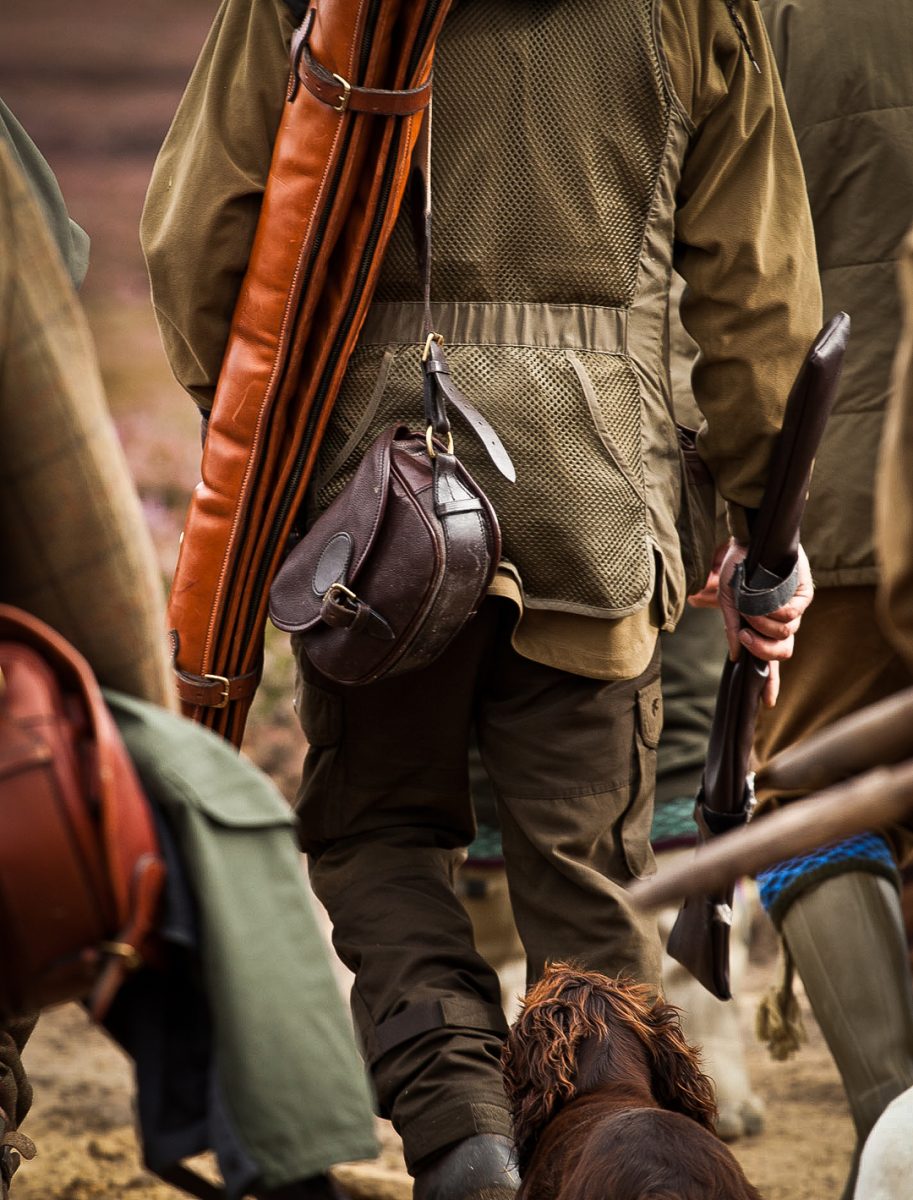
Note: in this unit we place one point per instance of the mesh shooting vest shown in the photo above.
(556, 151)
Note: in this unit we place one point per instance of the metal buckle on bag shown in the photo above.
(226, 687)
(343, 103)
(429, 442)
(341, 587)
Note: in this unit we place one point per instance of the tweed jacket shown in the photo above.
(242, 1063)
(76, 549)
(71, 240)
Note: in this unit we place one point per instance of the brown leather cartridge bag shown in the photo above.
(394, 568)
(80, 870)
(360, 82)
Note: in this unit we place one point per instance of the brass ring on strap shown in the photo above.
(429, 442)
(432, 337)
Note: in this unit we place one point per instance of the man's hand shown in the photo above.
(709, 595)
(769, 638)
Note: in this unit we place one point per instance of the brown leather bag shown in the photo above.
(412, 530)
(80, 871)
(394, 568)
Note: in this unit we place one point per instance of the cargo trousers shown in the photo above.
(385, 816)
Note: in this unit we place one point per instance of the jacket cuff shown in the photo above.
(740, 521)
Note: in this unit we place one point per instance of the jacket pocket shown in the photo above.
(575, 522)
(627, 461)
(697, 523)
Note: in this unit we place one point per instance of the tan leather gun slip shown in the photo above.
(359, 85)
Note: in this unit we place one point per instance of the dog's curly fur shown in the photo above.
(608, 1099)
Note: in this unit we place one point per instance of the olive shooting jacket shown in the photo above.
(578, 151)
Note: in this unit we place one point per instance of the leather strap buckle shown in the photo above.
(340, 587)
(343, 102)
(222, 701)
(342, 609)
(342, 96)
(197, 690)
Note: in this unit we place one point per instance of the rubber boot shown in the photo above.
(846, 938)
(481, 1167)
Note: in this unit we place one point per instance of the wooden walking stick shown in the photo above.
(878, 735)
(880, 797)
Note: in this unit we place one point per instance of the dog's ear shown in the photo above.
(539, 1062)
(678, 1082)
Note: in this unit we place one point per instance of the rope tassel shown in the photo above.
(778, 1022)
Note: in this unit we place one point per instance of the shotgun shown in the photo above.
(700, 937)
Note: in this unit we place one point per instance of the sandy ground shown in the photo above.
(96, 83)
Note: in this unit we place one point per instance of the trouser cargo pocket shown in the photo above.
(638, 819)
